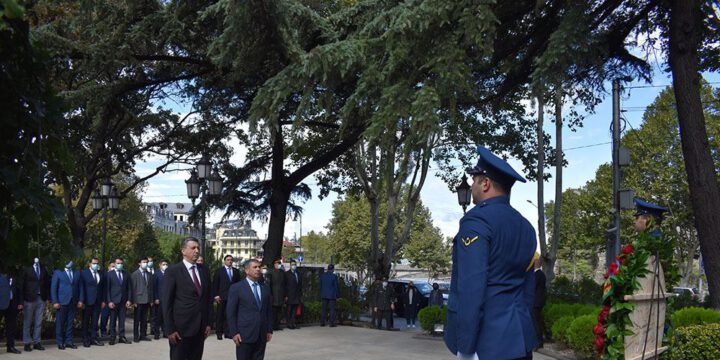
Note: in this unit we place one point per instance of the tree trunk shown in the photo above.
(558, 185)
(276, 228)
(548, 263)
(684, 39)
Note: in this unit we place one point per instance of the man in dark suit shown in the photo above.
(249, 314)
(118, 294)
(277, 291)
(105, 311)
(35, 290)
(383, 304)
(142, 298)
(159, 277)
(224, 277)
(186, 304)
(10, 304)
(293, 287)
(65, 292)
(92, 282)
(540, 295)
(329, 292)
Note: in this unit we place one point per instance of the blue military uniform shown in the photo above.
(492, 286)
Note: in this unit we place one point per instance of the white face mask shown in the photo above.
(163, 267)
(293, 267)
(143, 265)
(277, 266)
(385, 283)
(264, 271)
(150, 264)
(94, 267)
(36, 261)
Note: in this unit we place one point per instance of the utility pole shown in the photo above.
(612, 251)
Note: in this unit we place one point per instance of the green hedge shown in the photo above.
(560, 327)
(553, 312)
(431, 315)
(580, 335)
(695, 316)
(696, 342)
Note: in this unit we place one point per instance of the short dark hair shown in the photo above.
(227, 256)
(94, 258)
(185, 241)
(141, 259)
(119, 258)
(292, 261)
(331, 267)
(277, 261)
(249, 262)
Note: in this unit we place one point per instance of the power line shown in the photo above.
(660, 85)
(587, 146)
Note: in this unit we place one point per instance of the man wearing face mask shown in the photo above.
(154, 308)
(142, 298)
(92, 283)
(225, 276)
(492, 287)
(277, 289)
(65, 292)
(436, 296)
(119, 292)
(329, 292)
(383, 304)
(158, 326)
(293, 286)
(105, 311)
(35, 290)
(411, 300)
(10, 305)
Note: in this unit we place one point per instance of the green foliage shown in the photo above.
(554, 311)
(585, 291)
(146, 244)
(169, 245)
(684, 300)
(699, 342)
(431, 315)
(316, 248)
(560, 328)
(695, 316)
(311, 312)
(580, 335)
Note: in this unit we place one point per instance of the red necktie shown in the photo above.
(196, 281)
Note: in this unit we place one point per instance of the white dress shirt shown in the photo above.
(197, 273)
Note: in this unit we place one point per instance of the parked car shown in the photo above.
(693, 292)
(400, 286)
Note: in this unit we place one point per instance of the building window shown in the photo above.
(175, 217)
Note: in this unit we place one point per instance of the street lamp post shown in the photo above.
(204, 181)
(463, 193)
(104, 198)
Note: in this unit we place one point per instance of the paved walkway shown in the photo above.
(309, 343)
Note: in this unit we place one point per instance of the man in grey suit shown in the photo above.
(142, 298)
(249, 315)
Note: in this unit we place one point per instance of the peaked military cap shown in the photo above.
(646, 208)
(495, 168)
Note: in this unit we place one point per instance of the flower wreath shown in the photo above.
(622, 279)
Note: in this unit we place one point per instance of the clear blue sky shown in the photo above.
(586, 149)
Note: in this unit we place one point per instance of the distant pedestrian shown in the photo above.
(294, 293)
(383, 304)
(540, 295)
(277, 287)
(92, 282)
(186, 304)
(142, 298)
(436, 296)
(329, 292)
(10, 304)
(411, 301)
(65, 292)
(249, 314)
(225, 276)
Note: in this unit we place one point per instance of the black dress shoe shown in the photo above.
(112, 341)
(333, 325)
(61, 347)
(28, 348)
(123, 340)
(96, 343)
(157, 337)
(38, 346)
(71, 345)
(137, 339)
(220, 337)
(144, 338)
(13, 350)
(322, 324)
(86, 344)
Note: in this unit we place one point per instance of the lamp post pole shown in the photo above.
(203, 182)
(463, 193)
(104, 230)
(104, 198)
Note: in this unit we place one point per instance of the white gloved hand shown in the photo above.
(461, 356)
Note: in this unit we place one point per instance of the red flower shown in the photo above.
(603, 314)
(628, 249)
(612, 270)
(600, 344)
(599, 330)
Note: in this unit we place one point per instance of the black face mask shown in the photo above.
(435, 288)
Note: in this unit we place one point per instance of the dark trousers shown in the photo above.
(10, 316)
(384, 314)
(140, 318)
(276, 314)
(64, 324)
(539, 324)
(253, 351)
(291, 315)
(157, 320)
(117, 320)
(410, 314)
(189, 348)
(327, 304)
(104, 319)
(90, 317)
(220, 323)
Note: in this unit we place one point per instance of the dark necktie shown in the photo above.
(95, 276)
(145, 276)
(229, 272)
(37, 271)
(257, 296)
(196, 281)
(296, 276)
(120, 276)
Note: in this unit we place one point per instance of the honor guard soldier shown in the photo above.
(493, 282)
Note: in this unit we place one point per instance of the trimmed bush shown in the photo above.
(431, 315)
(695, 316)
(311, 312)
(580, 335)
(696, 342)
(553, 312)
(584, 309)
(589, 291)
(559, 329)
